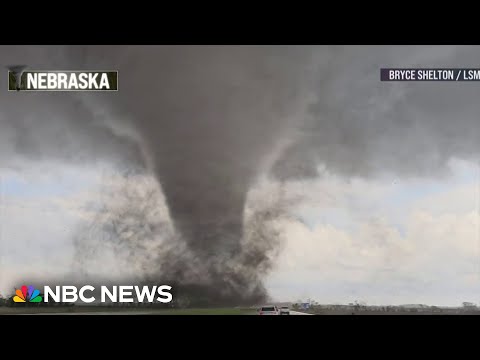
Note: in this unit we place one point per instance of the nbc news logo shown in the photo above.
(27, 294)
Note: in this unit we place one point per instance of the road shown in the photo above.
(298, 313)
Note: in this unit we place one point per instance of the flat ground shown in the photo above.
(101, 310)
(98, 310)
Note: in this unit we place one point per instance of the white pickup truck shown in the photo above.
(274, 310)
(269, 310)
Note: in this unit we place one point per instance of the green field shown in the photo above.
(133, 311)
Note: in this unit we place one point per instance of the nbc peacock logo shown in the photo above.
(27, 294)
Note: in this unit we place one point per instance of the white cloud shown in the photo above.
(41, 210)
(430, 254)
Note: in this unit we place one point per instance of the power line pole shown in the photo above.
(478, 225)
(2, 246)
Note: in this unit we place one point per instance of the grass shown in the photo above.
(117, 310)
(215, 311)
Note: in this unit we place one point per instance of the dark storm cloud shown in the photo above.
(208, 116)
(56, 125)
(361, 126)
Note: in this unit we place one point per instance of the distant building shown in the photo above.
(469, 306)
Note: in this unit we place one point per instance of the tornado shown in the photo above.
(208, 116)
